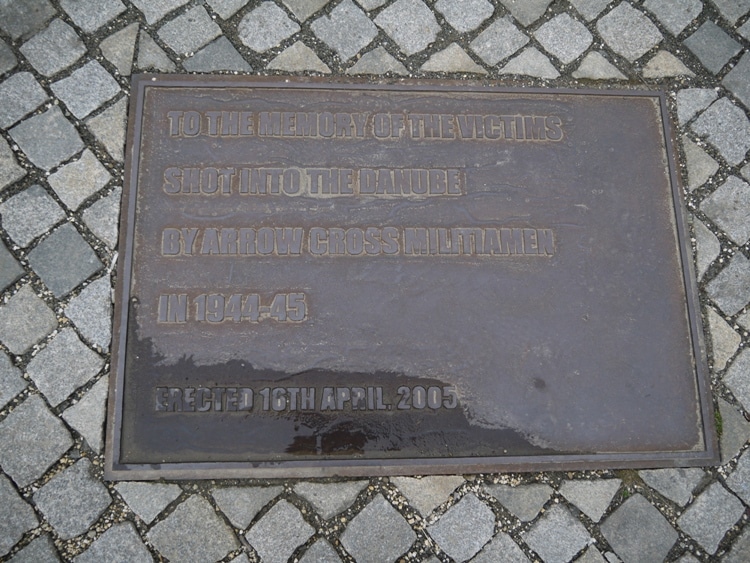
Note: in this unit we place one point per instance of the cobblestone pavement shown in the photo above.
(64, 86)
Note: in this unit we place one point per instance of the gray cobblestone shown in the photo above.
(592, 497)
(707, 247)
(427, 493)
(738, 80)
(675, 484)
(464, 529)
(10, 269)
(16, 517)
(151, 56)
(242, 504)
(87, 415)
(281, 530)
(638, 532)
(265, 27)
(628, 32)
(371, 4)
(147, 500)
(729, 207)
(591, 555)
(710, 516)
(120, 541)
(25, 320)
(299, 57)
(90, 18)
(303, 9)
(78, 180)
(47, 139)
(727, 128)
(378, 533)
(700, 166)
(22, 19)
(102, 217)
(712, 46)
(378, 61)
(665, 64)
(10, 171)
(730, 289)
(154, 10)
(29, 214)
(336, 29)
(119, 48)
(737, 378)
(524, 501)
(526, 11)
(744, 30)
(330, 499)
(452, 59)
(690, 101)
(410, 23)
(732, 10)
(53, 49)
(320, 552)
(589, 9)
(499, 41)
(72, 500)
(8, 60)
(63, 260)
(741, 548)
(19, 95)
(735, 430)
(557, 536)
(501, 548)
(193, 532)
(465, 15)
(724, 340)
(217, 55)
(564, 37)
(531, 62)
(226, 8)
(190, 31)
(109, 128)
(41, 550)
(675, 15)
(91, 312)
(11, 382)
(739, 480)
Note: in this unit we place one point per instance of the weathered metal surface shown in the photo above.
(321, 279)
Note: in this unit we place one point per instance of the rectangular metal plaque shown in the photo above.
(353, 279)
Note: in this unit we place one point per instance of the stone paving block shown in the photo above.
(735, 431)
(86, 89)
(29, 213)
(589, 9)
(281, 530)
(638, 532)
(729, 207)
(464, 529)
(347, 29)
(465, 15)
(87, 415)
(154, 10)
(378, 61)
(501, 548)
(744, 30)
(592, 497)
(297, 58)
(91, 312)
(320, 552)
(190, 31)
(122, 542)
(91, 17)
(10, 171)
(737, 378)
(72, 500)
(119, 48)
(371, 4)
(10, 269)
(732, 10)
(690, 101)
(151, 56)
(410, 23)
(378, 533)
(63, 366)
(665, 64)
(712, 46)
(710, 516)
(524, 501)
(675, 15)
(226, 8)
(727, 128)
(267, 26)
(63, 260)
(707, 247)
(724, 340)
(20, 94)
(700, 166)
(595, 66)
(22, 19)
(531, 62)
(591, 555)
(427, 493)
(31, 440)
(47, 139)
(242, 504)
(53, 49)
(452, 59)
(303, 9)
(739, 480)
(730, 289)
(526, 11)
(675, 484)
(218, 55)
(41, 550)
(11, 382)
(193, 532)
(740, 549)
(330, 499)
(564, 37)
(16, 517)
(628, 32)
(738, 80)
(147, 500)
(499, 41)
(109, 128)
(25, 320)
(557, 536)
(8, 60)
(78, 180)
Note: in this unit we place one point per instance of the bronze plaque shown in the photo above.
(324, 279)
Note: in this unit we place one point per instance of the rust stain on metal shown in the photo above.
(352, 279)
